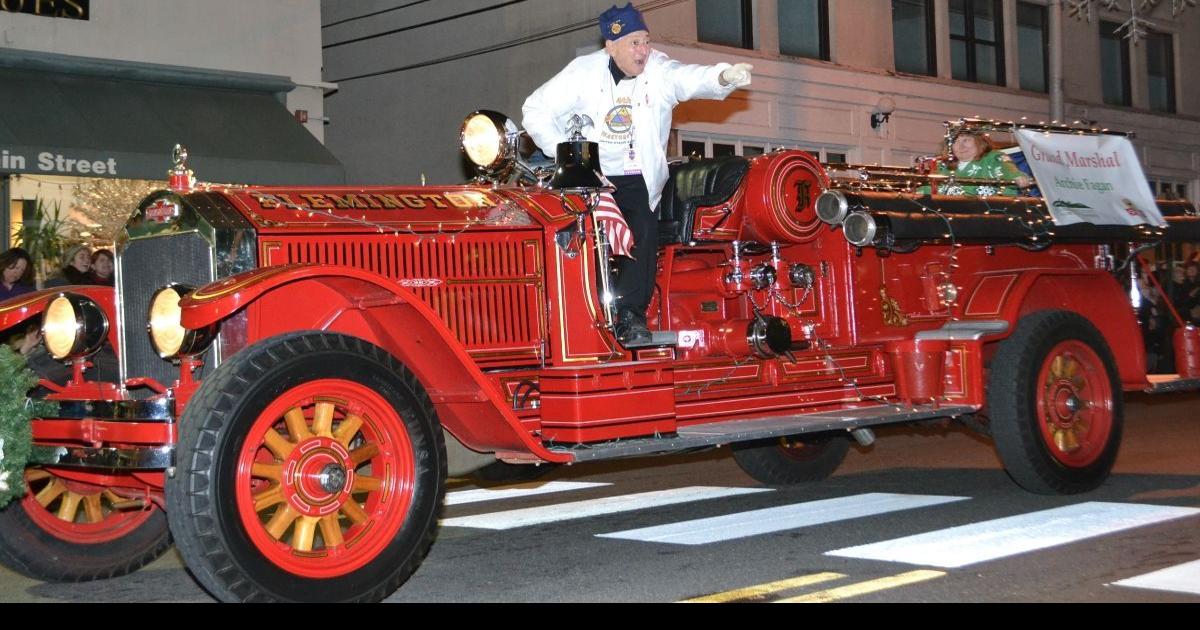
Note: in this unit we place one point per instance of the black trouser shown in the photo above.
(635, 278)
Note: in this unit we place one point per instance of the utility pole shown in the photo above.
(1057, 108)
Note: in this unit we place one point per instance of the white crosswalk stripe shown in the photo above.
(1183, 578)
(594, 507)
(534, 488)
(765, 521)
(999, 538)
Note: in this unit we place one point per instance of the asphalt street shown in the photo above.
(924, 515)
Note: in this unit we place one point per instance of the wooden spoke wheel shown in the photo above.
(325, 478)
(311, 467)
(1055, 404)
(65, 530)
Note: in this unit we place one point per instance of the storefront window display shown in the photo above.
(48, 214)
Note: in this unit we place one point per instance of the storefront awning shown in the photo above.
(57, 123)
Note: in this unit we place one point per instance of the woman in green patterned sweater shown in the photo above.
(977, 159)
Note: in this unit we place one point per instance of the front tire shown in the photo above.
(787, 461)
(311, 467)
(69, 531)
(1055, 404)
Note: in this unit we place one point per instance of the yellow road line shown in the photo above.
(862, 588)
(764, 589)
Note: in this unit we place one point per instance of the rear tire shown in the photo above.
(1055, 404)
(788, 461)
(311, 467)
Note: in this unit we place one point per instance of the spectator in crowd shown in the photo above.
(1174, 283)
(974, 157)
(102, 267)
(1157, 326)
(1188, 301)
(17, 269)
(77, 268)
(26, 340)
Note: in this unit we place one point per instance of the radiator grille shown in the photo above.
(145, 266)
(487, 289)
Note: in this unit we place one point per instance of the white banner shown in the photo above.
(1090, 179)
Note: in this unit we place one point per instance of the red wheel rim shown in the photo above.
(325, 478)
(1074, 404)
(80, 513)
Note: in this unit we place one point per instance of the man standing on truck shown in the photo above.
(629, 90)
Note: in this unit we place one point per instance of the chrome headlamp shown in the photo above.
(167, 335)
(73, 326)
(489, 140)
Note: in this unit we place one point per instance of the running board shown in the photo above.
(1167, 383)
(720, 433)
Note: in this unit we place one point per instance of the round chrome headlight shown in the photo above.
(73, 326)
(168, 336)
(485, 139)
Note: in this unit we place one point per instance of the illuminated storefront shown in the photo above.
(94, 97)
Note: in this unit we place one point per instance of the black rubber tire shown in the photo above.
(792, 460)
(1012, 404)
(28, 549)
(201, 496)
(504, 472)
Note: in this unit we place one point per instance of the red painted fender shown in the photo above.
(1091, 293)
(374, 308)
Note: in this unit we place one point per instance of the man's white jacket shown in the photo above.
(585, 86)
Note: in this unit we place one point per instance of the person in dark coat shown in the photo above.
(76, 270)
(17, 268)
(102, 267)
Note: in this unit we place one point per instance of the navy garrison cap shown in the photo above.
(616, 23)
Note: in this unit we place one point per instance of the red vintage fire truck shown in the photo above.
(300, 369)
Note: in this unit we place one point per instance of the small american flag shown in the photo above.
(609, 216)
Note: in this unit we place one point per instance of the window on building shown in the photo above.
(976, 41)
(1033, 46)
(693, 144)
(692, 148)
(725, 22)
(1164, 189)
(1160, 71)
(912, 36)
(721, 149)
(1114, 65)
(804, 28)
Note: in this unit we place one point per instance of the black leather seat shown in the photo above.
(696, 184)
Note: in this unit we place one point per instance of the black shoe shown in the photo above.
(631, 329)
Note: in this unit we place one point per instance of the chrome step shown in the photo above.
(1167, 383)
(727, 432)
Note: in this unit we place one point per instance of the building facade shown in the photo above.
(824, 72)
(103, 89)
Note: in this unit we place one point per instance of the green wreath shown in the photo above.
(16, 409)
